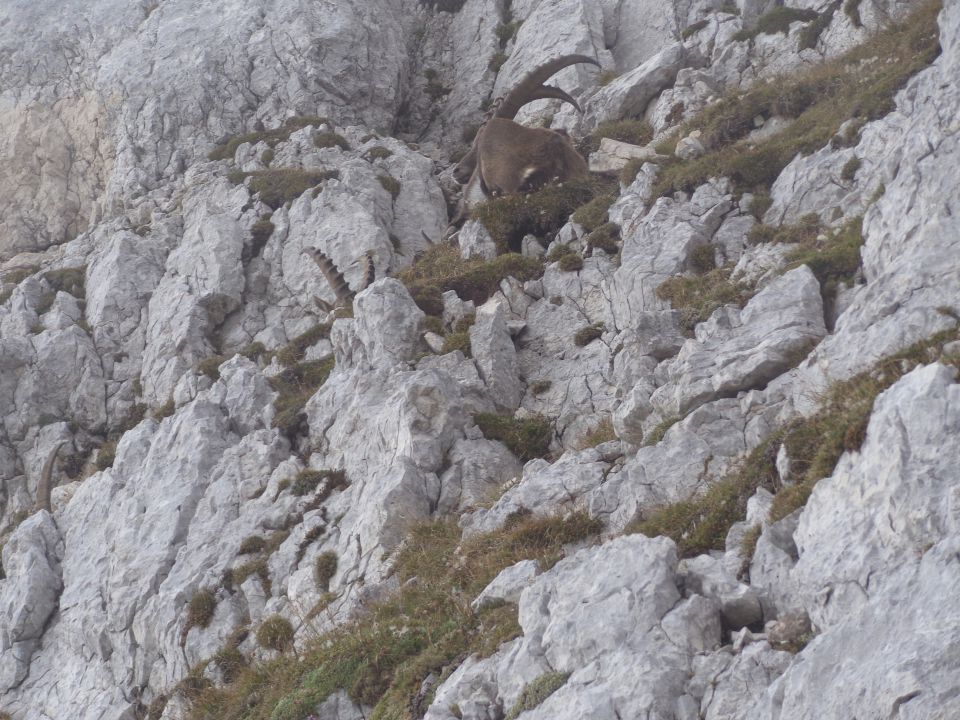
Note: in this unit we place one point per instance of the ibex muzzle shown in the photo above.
(507, 157)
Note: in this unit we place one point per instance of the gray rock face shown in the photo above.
(151, 296)
(736, 351)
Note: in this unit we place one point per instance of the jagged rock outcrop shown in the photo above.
(231, 451)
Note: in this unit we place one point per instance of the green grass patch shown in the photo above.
(296, 385)
(200, 610)
(527, 439)
(542, 213)
(697, 297)
(536, 692)
(600, 434)
(280, 186)
(776, 21)
(295, 351)
(329, 140)
(606, 237)
(656, 435)
(228, 150)
(635, 132)
(441, 268)
(275, 633)
(594, 214)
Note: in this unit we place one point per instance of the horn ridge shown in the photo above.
(333, 275)
(527, 89)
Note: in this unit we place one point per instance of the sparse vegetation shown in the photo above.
(859, 85)
(200, 610)
(497, 61)
(850, 167)
(702, 259)
(390, 184)
(538, 691)
(280, 186)
(527, 439)
(606, 238)
(252, 545)
(106, 455)
(228, 150)
(382, 658)
(296, 350)
(635, 132)
(810, 35)
(540, 387)
(542, 213)
(594, 213)
(275, 633)
(602, 433)
(378, 152)
(777, 20)
(329, 140)
(261, 231)
(68, 280)
(441, 268)
(852, 10)
(211, 366)
(571, 262)
(814, 445)
(296, 386)
(656, 435)
(693, 29)
(323, 482)
(697, 297)
(585, 336)
(324, 568)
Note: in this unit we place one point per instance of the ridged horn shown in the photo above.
(370, 275)
(532, 86)
(44, 488)
(549, 92)
(331, 273)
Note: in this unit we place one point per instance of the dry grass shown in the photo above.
(382, 658)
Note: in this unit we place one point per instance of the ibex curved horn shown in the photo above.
(337, 282)
(44, 488)
(532, 86)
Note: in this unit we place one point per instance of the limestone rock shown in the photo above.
(507, 586)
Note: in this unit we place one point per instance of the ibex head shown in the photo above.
(507, 157)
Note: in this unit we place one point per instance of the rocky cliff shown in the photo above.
(675, 442)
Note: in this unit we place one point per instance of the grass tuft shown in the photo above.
(527, 439)
(537, 691)
(697, 297)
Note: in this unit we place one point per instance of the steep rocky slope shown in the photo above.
(688, 451)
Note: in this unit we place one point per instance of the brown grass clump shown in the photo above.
(280, 186)
(527, 439)
(697, 297)
(227, 150)
(296, 385)
(441, 268)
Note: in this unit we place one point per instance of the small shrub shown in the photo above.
(702, 259)
(228, 150)
(630, 171)
(252, 545)
(329, 140)
(280, 186)
(571, 262)
(602, 433)
(759, 205)
(231, 663)
(211, 366)
(68, 280)
(606, 238)
(254, 351)
(296, 350)
(256, 567)
(527, 439)
(321, 482)
(850, 168)
(390, 184)
(165, 410)
(541, 213)
(497, 61)
(656, 435)
(540, 387)
(810, 35)
(275, 633)
(261, 231)
(324, 568)
(537, 691)
(200, 609)
(441, 268)
(296, 385)
(379, 152)
(698, 297)
(585, 336)
(106, 455)
(852, 10)
(154, 711)
(593, 214)
(835, 260)
(777, 20)
(457, 341)
(693, 29)
(747, 550)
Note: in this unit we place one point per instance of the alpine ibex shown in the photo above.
(507, 157)
(44, 487)
(337, 282)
